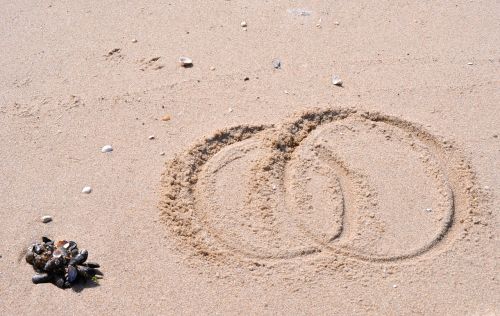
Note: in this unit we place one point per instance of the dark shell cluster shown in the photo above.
(60, 262)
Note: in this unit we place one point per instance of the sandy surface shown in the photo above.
(279, 194)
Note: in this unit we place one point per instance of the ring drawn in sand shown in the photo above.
(326, 182)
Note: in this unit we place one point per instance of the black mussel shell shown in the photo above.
(70, 245)
(54, 263)
(80, 258)
(74, 252)
(72, 274)
(92, 265)
(59, 281)
(46, 239)
(41, 278)
(86, 272)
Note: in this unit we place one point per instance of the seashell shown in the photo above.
(185, 61)
(60, 281)
(60, 252)
(106, 149)
(86, 272)
(87, 190)
(41, 278)
(57, 253)
(60, 243)
(336, 80)
(80, 258)
(74, 252)
(92, 265)
(51, 264)
(70, 245)
(71, 274)
(38, 249)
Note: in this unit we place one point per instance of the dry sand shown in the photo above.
(278, 192)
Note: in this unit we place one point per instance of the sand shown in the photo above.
(266, 191)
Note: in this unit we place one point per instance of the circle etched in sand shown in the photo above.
(325, 183)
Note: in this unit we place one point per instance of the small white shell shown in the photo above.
(107, 149)
(243, 24)
(87, 190)
(151, 137)
(46, 219)
(336, 80)
(185, 61)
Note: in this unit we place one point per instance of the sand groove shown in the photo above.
(321, 184)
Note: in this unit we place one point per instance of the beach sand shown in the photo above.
(263, 190)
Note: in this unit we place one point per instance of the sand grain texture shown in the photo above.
(278, 192)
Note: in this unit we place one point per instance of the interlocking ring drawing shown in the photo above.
(325, 182)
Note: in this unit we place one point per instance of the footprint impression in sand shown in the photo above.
(325, 182)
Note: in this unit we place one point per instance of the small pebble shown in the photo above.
(243, 24)
(166, 118)
(162, 153)
(46, 219)
(106, 149)
(336, 80)
(470, 63)
(276, 63)
(394, 285)
(230, 110)
(212, 68)
(151, 137)
(428, 209)
(185, 61)
(87, 190)
(336, 23)
(246, 79)
(134, 41)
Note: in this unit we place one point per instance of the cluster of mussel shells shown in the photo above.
(60, 262)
